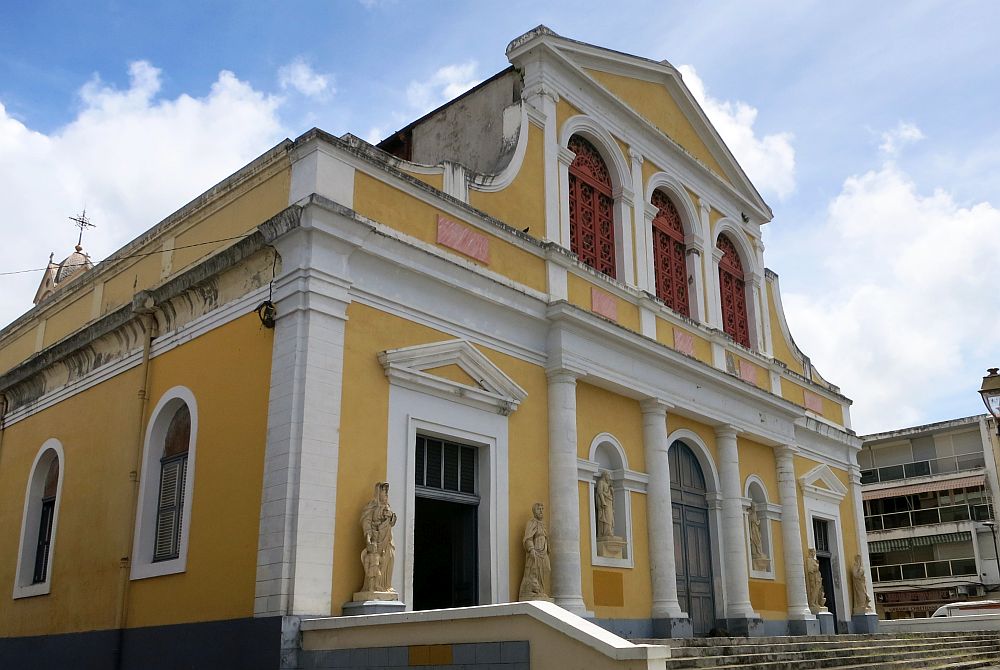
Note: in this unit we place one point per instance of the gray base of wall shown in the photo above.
(250, 644)
(681, 628)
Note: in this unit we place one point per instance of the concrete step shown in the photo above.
(716, 641)
(847, 647)
(871, 658)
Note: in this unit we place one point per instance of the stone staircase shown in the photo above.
(888, 651)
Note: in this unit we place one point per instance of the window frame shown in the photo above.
(143, 548)
(24, 584)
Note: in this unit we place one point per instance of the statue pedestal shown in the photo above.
(762, 564)
(383, 605)
(866, 622)
(365, 596)
(827, 626)
(611, 547)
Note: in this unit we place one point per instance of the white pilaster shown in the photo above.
(663, 570)
(565, 159)
(564, 499)
(791, 536)
(713, 313)
(737, 576)
(642, 232)
(859, 528)
(298, 503)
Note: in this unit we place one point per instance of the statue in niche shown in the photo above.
(605, 498)
(534, 583)
(609, 545)
(377, 520)
(814, 584)
(859, 587)
(757, 556)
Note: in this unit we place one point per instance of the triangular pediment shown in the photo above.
(456, 370)
(648, 92)
(822, 482)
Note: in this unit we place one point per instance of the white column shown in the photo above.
(791, 536)
(565, 159)
(859, 527)
(660, 521)
(713, 313)
(643, 235)
(564, 498)
(737, 576)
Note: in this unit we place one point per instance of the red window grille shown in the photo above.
(669, 255)
(732, 288)
(591, 208)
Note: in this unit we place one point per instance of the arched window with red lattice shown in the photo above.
(669, 260)
(591, 208)
(732, 289)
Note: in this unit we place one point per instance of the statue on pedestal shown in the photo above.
(859, 587)
(814, 584)
(534, 583)
(609, 545)
(758, 558)
(377, 520)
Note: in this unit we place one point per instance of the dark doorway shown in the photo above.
(821, 533)
(692, 539)
(444, 555)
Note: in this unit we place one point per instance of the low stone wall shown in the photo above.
(943, 624)
(466, 656)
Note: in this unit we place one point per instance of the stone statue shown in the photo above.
(814, 584)
(534, 584)
(859, 587)
(377, 520)
(605, 498)
(757, 556)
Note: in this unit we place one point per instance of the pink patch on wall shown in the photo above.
(748, 372)
(814, 402)
(604, 304)
(683, 342)
(463, 239)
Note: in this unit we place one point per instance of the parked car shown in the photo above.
(968, 608)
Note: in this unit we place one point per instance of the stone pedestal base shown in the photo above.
(373, 607)
(827, 626)
(865, 623)
(365, 596)
(611, 547)
(743, 627)
(803, 627)
(677, 628)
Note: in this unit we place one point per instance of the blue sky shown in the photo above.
(871, 129)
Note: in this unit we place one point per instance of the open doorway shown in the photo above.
(821, 533)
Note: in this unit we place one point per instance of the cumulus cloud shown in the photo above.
(446, 83)
(130, 156)
(895, 139)
(911, 313)
(299, 76)
(769, 161)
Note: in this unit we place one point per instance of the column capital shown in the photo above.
(566, 156)
(564, 373)
(655, 406)
(725, 431)
(785, 451)
(636, 156)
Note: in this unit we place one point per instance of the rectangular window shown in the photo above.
(44, 541)
(170, 507)
(445, 466)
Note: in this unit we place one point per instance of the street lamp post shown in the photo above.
(990, 391)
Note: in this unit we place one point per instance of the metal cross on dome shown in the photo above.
(81, 222)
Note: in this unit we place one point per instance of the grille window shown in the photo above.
(445, 465)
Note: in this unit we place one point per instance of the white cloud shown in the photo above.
(300, 76)
(445, 84)
(895, 139)
(769, 161)
(911, 315)
(130, 157)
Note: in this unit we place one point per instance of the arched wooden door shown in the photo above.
(692, 538)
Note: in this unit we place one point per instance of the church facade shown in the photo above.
(541, 309)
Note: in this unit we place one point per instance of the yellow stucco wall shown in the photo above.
(226, 368)
(782, 349)
(522, 204)
(19, 348)
(364, 438)
(435, 179)
(654, 103)
(383, 203)
(579, 292)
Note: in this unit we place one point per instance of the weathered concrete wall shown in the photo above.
(951, 624)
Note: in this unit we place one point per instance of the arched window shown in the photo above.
(591, 208)
(669, 260)
(164, 514)
(38, 525)
(173, 468)
(732, 289)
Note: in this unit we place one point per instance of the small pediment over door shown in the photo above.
(454, 370)
(822, 483)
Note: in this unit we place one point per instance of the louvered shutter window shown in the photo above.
(44, 541)
(170, 507)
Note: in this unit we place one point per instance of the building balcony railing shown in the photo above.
(926, 517)
(935, 466)
(958, 567)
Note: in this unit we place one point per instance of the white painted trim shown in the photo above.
(824, 504)
(31, 516)
(623, 481)
(412, 412)
(492, 183)
(770, 512)
(143, 565)
(832, 491)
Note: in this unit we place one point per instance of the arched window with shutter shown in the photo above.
(39, 522)
(669, 262)
(173, 468)
(591, 208)
(732, 290)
